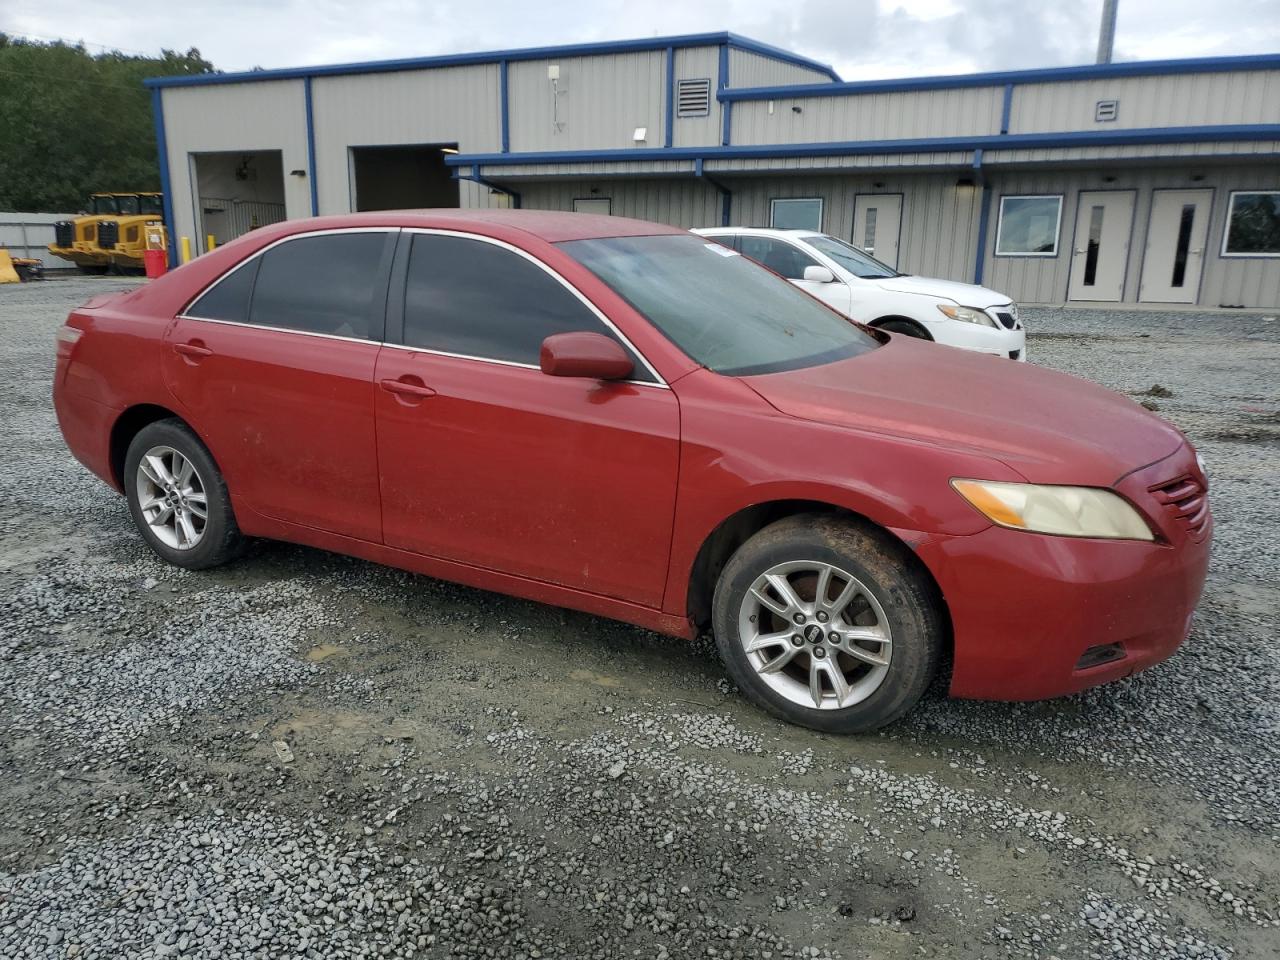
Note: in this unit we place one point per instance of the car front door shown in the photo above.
(274, 366)
(788, 260)
(487, 461)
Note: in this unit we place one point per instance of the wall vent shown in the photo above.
(693, 98)
(1106, 110)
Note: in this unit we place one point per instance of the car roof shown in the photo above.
(552, 226)
(760, 232)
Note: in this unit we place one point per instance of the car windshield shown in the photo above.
(104, 205)
(152, 205)
(851, 258)
(725, 311)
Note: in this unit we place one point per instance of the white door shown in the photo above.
(1101, 253)
(877, 218)
(1174, 256)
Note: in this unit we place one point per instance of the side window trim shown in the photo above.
(377, 318)
(395, 308)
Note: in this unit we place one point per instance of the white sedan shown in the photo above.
(957, 314)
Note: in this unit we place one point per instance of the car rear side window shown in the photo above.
(477, 299)
(320, 284)
(228, 299)
(778, 255)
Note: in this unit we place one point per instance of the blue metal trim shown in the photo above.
(1101, 71)
(311, 148)
(504, 106)
(722, 84)
(1007, 109)
(166, 186)
(984, 224)
(494, 56)
(697, 167)
(671, 97)
(1256, 131)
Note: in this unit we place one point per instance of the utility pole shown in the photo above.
(1107, 31)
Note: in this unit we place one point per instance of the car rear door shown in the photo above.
(274, 367)
(487, 461)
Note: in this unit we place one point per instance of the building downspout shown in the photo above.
(984, 217)
(726, 195)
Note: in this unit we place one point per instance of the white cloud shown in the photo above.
(862, 38)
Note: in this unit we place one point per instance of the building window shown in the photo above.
(601, 205)
(1253, 224)
(796, 214)
(1029, 226)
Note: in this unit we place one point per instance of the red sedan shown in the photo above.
(630, 420)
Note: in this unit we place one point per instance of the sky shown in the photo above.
(862, 39)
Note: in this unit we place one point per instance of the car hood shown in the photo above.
(1048, 426)
(965, 294)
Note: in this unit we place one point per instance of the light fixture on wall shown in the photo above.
(640, 134)
(797, 109)
(965, 183)
(297, 173)
(1197, 177)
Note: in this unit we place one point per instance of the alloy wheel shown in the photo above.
(815, 634)
(172, 498)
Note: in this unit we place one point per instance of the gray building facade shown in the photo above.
(1150, 182)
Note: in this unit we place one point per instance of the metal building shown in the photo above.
(1146, 182)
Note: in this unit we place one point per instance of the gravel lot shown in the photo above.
(303, 755)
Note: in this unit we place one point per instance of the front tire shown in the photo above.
(828, 623)
(908, 328)
(178, 499)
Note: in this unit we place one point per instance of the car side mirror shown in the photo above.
(818, 274)
(590, 355)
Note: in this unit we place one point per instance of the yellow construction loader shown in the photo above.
(114, 234)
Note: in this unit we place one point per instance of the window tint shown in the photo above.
(479, 300)
(803, 214)
(1253, 225)
(719, 307)
(228, 299)
(1028, 226)
(778, 255)
(320, 284)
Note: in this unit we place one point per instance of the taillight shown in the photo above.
(66, 338)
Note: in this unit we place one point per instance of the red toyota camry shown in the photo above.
(630, 420)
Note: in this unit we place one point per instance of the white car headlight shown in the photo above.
(1064, 511)
(966, 315)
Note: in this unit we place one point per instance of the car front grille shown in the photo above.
(1015, 354)
(1008, 320)
(1187, 501)
(108, 234)
(64, 233)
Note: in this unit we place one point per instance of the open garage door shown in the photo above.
(402, 177)
(237, 192)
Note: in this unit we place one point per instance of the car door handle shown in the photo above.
(194, 350)
(405, 387)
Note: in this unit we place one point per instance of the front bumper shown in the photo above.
(994, 341)
(1026, 607)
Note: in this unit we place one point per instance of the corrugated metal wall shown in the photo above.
(747, 69)
(452, 105)
(601, 101)
(682, 203)
(697, 63)
(268, 115)
(875, 116)
(1225, 281)
(939, 218)
(1177, 100)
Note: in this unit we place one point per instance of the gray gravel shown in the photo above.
(303, 755)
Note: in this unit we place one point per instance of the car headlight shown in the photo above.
(966, 315)
(1064, 511)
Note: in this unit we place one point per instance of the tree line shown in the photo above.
(73, 123)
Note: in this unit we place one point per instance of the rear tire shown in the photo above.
(170, 479)
(888, 633)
